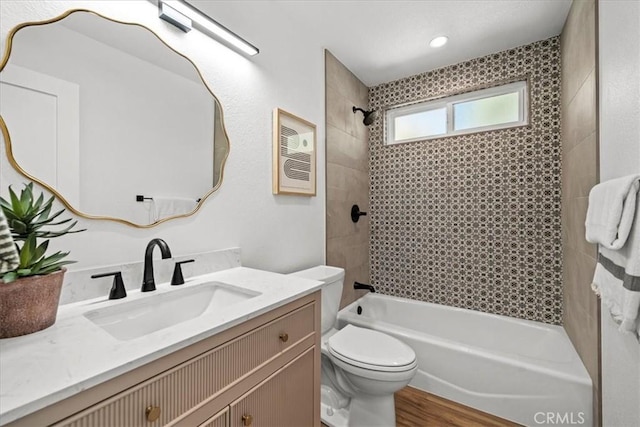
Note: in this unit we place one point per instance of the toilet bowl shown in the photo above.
(361, 368)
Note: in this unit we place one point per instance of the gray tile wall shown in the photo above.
(473, 221)
(579, 174)
(347, 175)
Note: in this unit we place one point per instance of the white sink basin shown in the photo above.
(148, 314)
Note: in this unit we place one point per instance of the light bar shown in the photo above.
(174, 17)
(205, 24)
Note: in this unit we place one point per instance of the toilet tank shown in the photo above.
(333, 278)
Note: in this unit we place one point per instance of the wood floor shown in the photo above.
(416, 408)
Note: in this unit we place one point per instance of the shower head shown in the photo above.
(369, 116)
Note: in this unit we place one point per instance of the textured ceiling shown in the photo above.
(385, 40)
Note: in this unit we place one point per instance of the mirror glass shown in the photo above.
(112, 120)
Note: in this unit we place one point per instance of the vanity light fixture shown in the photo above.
(439, 41)
(174, 17)
(185, 16)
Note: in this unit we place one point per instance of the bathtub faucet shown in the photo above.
(358, 285)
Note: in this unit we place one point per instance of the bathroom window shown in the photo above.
(494, 108)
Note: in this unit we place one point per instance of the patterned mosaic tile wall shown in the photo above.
(473, 221)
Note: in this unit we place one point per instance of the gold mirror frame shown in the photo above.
(60, 197)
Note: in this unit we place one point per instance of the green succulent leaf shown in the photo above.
(9, 277)
(55, 257)
(18, 226)
(26, 198)
(36, 268)
(45, 211)
(4, 203)
(30, 219)
(50, 234)
(55, 267)
(6, 208)
(15, 203)
(40, 250)
(50, 220)
(27, 250)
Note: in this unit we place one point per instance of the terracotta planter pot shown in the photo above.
(29, 304)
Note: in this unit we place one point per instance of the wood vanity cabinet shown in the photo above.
(264, 372)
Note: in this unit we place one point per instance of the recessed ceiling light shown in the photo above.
(439, 41)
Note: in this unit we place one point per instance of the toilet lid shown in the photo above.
(367, 348)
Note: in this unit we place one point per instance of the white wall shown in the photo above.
(278, 233)
(619, 41)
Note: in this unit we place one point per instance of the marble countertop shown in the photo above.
(75, 354)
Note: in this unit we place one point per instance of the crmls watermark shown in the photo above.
(559, 418)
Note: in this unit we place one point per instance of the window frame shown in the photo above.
(521, 86)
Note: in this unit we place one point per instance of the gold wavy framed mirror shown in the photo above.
(109, 118)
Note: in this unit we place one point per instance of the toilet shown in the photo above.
(361, 368)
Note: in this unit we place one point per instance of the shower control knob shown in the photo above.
(356, 214)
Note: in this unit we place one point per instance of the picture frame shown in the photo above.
(294, 155)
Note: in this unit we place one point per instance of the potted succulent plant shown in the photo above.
(30, 292)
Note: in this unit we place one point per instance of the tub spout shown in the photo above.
(358, 285)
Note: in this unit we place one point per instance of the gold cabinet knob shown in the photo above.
(153, 413)
(247, 419)
(284, 337)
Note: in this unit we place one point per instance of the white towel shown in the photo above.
(9, 259)
(612, 206)
(164, 207)
(617, 275)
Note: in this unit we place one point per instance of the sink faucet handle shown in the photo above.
(178, 278)
(117, 289)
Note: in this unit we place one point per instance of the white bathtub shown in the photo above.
(524, 371)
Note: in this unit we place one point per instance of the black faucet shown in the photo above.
(358, 285)
(148, 282)
(117, 289)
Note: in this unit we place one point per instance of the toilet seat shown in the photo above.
(371, 350)
(372, 374)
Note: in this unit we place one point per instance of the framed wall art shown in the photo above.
(294, 154)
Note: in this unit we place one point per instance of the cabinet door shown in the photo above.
(284, 399)
(221, 419)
